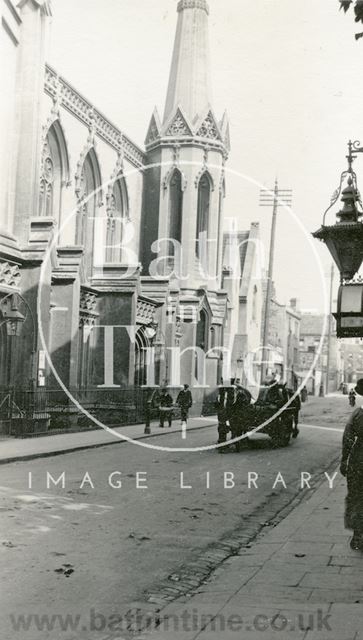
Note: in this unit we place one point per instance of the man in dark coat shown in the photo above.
(240, 416)
(165, 408)
(295, 405)
(220, 405)
(184, 401)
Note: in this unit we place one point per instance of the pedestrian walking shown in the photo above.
(221, 408)
(240, 415)
(295, 406)
(352, 468)
(184, 401)
(304, 394)
(352, 398)
(165, 408)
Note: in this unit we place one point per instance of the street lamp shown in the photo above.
(13, 318)
(344, 241)
(157, 341)
(14, 321)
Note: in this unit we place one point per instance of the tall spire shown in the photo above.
(189, 80)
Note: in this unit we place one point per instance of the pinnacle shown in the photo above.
(189, 80)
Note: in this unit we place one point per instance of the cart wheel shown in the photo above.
(280, 440)
(275, 441)
(285, 439)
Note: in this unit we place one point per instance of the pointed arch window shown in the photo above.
(142, 344)
(222, 195)
(117, 216)
(54, 173)
(204, 194)
(202, 331)
(175, 208)
(88, 195)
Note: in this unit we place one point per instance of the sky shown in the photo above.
(288, 73)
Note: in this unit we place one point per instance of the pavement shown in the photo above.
(298, 580)
(21, 449)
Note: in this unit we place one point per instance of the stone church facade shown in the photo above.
(111, 255)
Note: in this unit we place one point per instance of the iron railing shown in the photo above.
(26, 412)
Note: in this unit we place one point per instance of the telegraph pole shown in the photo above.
(329, 329)
(275, 197)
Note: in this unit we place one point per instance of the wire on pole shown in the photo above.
(274, 198)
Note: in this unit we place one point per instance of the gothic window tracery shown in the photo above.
(117, 217)
(204, 192)
(88, 183)
(54, 172)
(175, 208)
(142, 344)
(208, 128)
(178, 127)
(202, 331)
(222, 194)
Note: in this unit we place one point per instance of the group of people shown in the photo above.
(236, 412)
(233, 407)
(166, 406)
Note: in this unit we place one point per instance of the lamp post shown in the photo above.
(14, 321)
(344, 241)
(329, 329)
(158, 349)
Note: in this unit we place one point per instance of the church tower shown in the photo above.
(184, 187)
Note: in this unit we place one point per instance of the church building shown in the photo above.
(111, 255)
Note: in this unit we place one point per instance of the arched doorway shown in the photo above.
(142, 351)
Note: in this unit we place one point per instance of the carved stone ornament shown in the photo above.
(87, 312)
(46, 181)
(169, 175)
(92, 128)
(9, 274)
(88, 301)
(86, 320)
(178, 333)
(199, 175)
(66, 96)
(209, 128)
(145, 312)
(178, 127)
(86, 323)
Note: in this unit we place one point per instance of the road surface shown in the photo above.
(89, 546)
